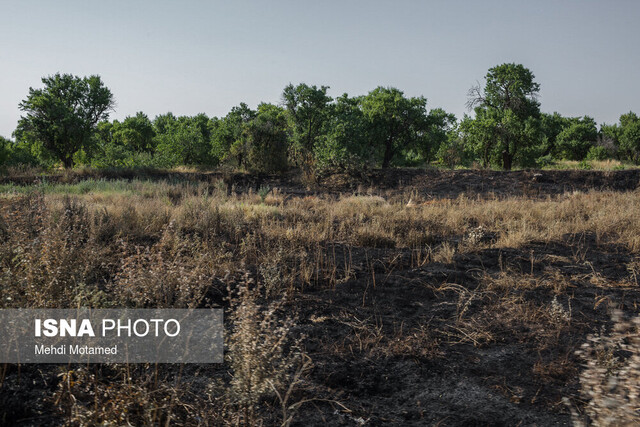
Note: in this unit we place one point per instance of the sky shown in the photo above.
(191, 57)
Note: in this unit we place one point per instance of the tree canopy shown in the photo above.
(509, 111)
(396, 122)
(308, 108)
(62, 116)
(67, 122)
(576, 139)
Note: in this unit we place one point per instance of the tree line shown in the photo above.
(67, 123)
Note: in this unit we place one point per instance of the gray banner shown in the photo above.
(111, 336)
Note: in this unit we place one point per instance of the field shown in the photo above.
(404, 297)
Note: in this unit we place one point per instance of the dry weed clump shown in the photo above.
(499, 309)
(265, 359)
(128, 395)
(47, 269)
(175, 272)
(611, 379)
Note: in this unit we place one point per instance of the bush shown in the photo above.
(584, 165)
(4, 150)
(267, 138)
(575, 141)
(113, 155)
(545, 161)
(453, 152)
(14, 154)
(598, 153)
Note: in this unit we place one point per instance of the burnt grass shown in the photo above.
(404, 342)
(429, 183)
(515, 379)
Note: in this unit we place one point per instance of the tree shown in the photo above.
(575, 140)
(136, 133)
(266, 137)
(395, 122)
(63, 115)
(227, 139)
(5, 145)
(550, 126)
(453, 151)
(183, 140)
(163, 122)
(439, 126)
(630, 136)
(308, 109)
(622, 139)
(508, 105)
(345, 143)
(480, 135)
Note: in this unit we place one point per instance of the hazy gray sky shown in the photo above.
(207, 56)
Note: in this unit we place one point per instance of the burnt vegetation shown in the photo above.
(407, 297)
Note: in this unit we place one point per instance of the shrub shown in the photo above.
(598, 153)
(584, 165)
(575, 141)
(266, 136)
(54, 255)
(545, 161)
(175, 272)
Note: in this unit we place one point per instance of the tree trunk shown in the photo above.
(388, 154)
(507, 160)
(67, 162)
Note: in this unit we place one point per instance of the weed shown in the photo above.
(262, 354)
(611, 378)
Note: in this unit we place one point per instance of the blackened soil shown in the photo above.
(428, 183)
(434, 183)
(403, 352)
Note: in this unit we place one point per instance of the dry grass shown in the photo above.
(178, 245)
(145, 214)
(262, 356)
(604, 165)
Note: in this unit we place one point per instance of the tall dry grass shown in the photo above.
(183, 238)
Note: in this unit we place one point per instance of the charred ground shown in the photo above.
(424, 298)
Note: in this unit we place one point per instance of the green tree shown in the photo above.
(453, 151)
(266, 137)
(439, 126)
(62, 116)
(135, 132)
(610, 133)
(480, 136)
(308, 110)
(508, 105)
(345, 143)
(550, 126)
(5, 146)
(396, 123)
(629, 136)
(576, 139)
(228, 139)
(163, 122)
(183, 140)
(13, 153)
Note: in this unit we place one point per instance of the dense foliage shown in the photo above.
(63, 115)
(66, 123)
